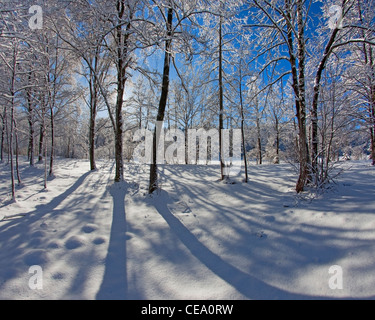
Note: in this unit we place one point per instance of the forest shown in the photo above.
(236, 88)
(79, 78)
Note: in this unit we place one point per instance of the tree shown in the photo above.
(220, 29)
(242, 120)
(277, 109)
(142, 102)
(279, 29)
(173, 14)
(30, 118)
(10, 56)
(86, 37)
(256, 104)
(112, 24)
(279, 33)
(153, 185)
(188, 101)
(336, 118)
(361, 73)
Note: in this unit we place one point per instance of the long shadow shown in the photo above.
(114, 285)
(20, 232)
(43, 209)
(56, 201)
(246, 284)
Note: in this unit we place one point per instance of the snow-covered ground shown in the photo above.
(197, 239)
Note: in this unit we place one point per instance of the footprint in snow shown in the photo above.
(74, 242)
(98, 241)
(36, 257)
(89, 228)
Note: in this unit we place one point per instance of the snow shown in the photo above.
(197, 238)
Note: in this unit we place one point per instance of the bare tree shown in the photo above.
(153, 185)
(280, 35)
(11, 60)
(280, 31)
(173, 14)
(113, 21)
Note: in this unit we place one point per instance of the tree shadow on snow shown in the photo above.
(25, 236)
(114, 285)
(246, 284)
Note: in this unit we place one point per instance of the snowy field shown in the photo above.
(197, 239)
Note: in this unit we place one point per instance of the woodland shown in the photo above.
(79, 78)
(187, 149)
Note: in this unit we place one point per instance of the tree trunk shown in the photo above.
(277, 128)
(122, 64)
(93, 112)
(12, 120)
(17, 153)
(11, 150)
(314, 109)
(42, 129)
(3, 128)
(41, 138)
(243, 129)
(52, 108)
(373, 134)
(372, 101)
(92, 140)
(221, 103)
(259, 141)
(119, 170)
(52, 152)
(30, 110)
(186, 134)
(299, 89)
(30, 150)
(45, 164)
(12, 117)
(153, 185)
(303, 149)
